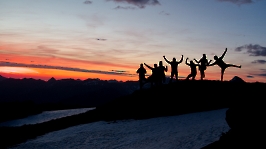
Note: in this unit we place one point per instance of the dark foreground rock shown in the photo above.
(246, 119)
(174, 99)
(247, 127)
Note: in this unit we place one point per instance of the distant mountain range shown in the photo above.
(23, 97)
(87, 93)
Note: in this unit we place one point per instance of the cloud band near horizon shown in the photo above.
(111, 72)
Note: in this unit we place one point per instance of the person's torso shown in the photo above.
(203, 62)
(174, 66)
(220, 62)
(141, 71)
(193, 68)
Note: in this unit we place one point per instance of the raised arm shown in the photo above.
(209, 62)
(148, 66)
(187, 62)
(214, 63)
(196, 60)
(166, 60)
(181, 60)
(197, 64)
(223, 53)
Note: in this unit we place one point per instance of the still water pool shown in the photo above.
(44, 116)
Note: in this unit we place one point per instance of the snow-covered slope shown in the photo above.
(188, 131)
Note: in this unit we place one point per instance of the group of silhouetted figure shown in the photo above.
(158, 76)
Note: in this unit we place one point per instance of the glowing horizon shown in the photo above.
(48, 73)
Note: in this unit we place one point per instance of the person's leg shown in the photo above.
(222, 73)
(171, 78)
(232, 65)
(202, 74)
(176, 76)
(188, 77)
(193, 75)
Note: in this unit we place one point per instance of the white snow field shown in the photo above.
(188, 131)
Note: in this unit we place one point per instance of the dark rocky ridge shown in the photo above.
(244, 117)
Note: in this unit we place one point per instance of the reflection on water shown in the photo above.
(44, 116)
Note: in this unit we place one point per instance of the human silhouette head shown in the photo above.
(215, 57)
(155, 65)
(141, 65)
(204, 55)
(160, 63)
(191, 62)
(174, 59)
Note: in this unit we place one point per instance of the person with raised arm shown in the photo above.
(203, 65)
(174, 67)
(219, 61)
(154, 77)
(193, 70)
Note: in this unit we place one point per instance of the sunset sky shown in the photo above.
(108, 39)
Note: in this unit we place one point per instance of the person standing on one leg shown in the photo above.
(219, 61)
(174, 67)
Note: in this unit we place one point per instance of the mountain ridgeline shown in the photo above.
(23, 97)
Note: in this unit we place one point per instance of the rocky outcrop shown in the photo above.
(237, 79)
(246, 119)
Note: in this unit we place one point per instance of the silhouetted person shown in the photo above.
(162, 70)
(193, 69)
(142, 79)
(219, 61)
(154, 77)
(174, 67)
(203, 65)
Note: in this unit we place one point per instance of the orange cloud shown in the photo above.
(46, 74)
(17, 70)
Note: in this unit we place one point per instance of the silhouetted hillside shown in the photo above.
(181, 97)
(172, 99)
(22, 97)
